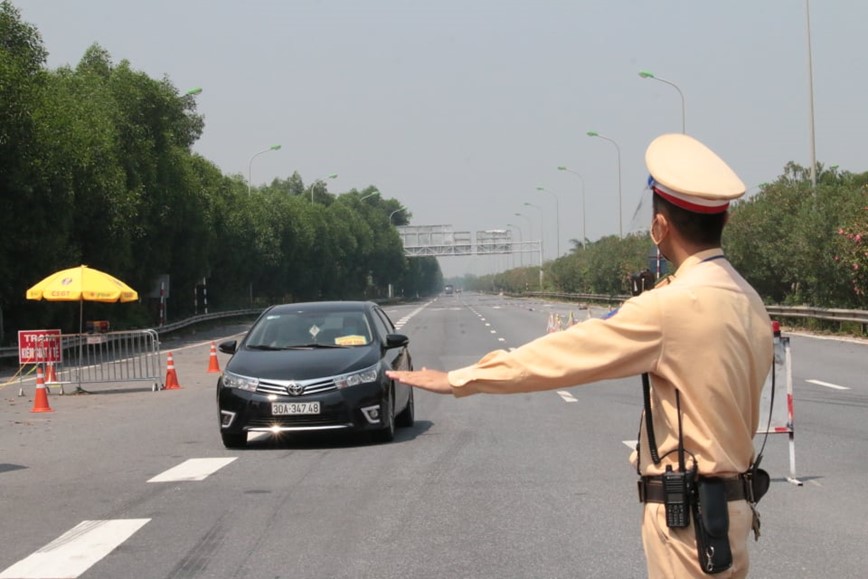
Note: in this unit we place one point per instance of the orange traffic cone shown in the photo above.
(213, 364)
(171, 375)
(50, 375)
(40, 398)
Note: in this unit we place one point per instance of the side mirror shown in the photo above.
(227, 347)
(396, 341)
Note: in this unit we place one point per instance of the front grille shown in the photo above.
(297, 420)
(281, 387)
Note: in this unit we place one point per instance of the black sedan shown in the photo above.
(314, 367)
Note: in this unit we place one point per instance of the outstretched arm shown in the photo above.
(431, 380)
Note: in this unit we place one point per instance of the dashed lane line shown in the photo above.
(567, 396)
(400, 323)
(827, 385)
(194, 469)
(75, 551)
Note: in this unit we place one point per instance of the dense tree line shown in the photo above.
(796, 244)
(96, 168)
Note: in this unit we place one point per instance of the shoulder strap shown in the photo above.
(649, 423)
(649, 427)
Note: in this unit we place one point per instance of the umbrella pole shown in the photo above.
(78, 388)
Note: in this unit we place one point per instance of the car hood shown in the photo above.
(301, 364)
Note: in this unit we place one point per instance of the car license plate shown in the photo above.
(287, 408)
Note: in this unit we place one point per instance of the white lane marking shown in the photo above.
(75, 551)
(567, 396)
(400, 323)
(493, 331)
(631, 444)
(487, 325)
(501, 339)
(193, 469)
(827, 385)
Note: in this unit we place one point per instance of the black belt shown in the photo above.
(651, 489)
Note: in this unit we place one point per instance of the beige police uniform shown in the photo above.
(705, 334)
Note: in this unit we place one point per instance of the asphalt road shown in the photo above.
(125, 482)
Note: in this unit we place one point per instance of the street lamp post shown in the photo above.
(584, 230)
(647, 74)
(620, 209)
(313, 185)
(811, 99)
(530, 224)
(530, 228)
(250, 164)
(369, 195)
(520, 243)
(393, 212)
(557, 219)
(542, 229)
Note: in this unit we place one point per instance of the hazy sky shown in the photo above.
(460, 109)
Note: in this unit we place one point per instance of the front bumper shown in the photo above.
(358, 408)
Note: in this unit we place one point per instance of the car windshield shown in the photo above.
(301, 329)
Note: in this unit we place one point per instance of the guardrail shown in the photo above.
(169, 328)
(834, 315)
(802, 312)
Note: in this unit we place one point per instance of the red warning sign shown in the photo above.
(39, 347)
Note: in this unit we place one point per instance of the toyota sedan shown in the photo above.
(318, 366)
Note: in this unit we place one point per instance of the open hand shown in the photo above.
(431, 380)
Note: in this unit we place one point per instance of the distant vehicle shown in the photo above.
(313, 367)
(448, 290)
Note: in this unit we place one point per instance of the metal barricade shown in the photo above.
(110, 357)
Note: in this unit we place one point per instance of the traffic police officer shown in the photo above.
(703, 337)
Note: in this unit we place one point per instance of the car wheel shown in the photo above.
(407, 416)
(387, 434)
(231, 440)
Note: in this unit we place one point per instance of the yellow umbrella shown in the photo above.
(82, 284)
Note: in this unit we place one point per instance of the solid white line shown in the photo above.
(567, 396)
(193, 469)
(827, 384)
(75, 551)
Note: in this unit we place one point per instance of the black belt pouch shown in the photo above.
(711, 521)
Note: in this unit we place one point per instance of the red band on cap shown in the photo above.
(678, 202)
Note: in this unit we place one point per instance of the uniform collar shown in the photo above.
(698, 258)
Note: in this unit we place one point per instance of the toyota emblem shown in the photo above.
(295, 388)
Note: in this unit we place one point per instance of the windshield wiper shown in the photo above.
(313, 345)
(263, 347)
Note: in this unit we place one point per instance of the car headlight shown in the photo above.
(231, 380)
(361, 377)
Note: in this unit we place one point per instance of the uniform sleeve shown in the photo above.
(626, 344)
